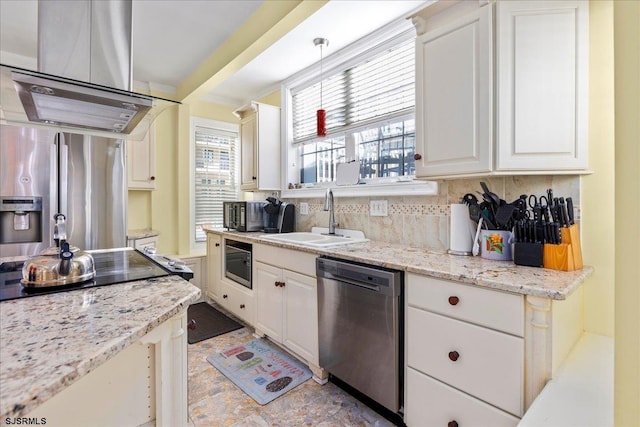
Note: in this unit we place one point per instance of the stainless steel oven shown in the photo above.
(237, 262)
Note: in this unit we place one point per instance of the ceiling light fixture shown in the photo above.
(321, 115)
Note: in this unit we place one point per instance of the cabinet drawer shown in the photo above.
(432, 403)
(480, 361)
(493, 309)
(238, 302)
(302, 262)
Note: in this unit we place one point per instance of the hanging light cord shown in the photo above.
(321, 76)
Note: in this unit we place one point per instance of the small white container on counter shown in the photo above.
(462, 230)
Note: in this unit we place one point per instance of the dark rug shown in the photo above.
(209, 322)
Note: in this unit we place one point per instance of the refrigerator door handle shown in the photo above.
(63, 174)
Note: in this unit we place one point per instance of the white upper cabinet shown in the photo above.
(259, 146)
(530, 68)
(454, 96)
(542, 74)
(141, 162)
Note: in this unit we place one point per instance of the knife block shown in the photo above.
(566, 256)
(571, 235)
(530, 254)
(558, 257)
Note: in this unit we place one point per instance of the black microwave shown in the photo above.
(244, 215)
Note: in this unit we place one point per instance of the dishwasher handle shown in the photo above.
(374, 288)
(385, 281)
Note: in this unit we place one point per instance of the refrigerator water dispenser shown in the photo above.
(20, 219)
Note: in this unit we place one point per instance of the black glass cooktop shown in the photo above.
(112, 266)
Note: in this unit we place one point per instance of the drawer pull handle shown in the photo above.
(241, 305)
(452, 423)
(454, 355)
(454, 300)
(225, 296)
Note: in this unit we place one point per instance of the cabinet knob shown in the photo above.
(217, 244)
(253, 178)
(192, 325)
(452, 423)
(241, 305)
(454, 355)
(454, 300)
(277, 284)
(417, 156)
(152, 178)
(225, 296)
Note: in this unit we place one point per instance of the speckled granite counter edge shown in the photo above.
(497, 275)
(16, 403)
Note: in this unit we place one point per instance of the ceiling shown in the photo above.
(172, 38)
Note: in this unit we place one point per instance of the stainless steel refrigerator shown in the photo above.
(43, 172)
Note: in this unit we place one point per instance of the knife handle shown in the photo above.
(564, 213)
(556, 230)
(570, 210)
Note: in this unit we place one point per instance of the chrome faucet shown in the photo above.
(328, 206)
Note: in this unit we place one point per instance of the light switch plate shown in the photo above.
(304, 208)
(378, 208)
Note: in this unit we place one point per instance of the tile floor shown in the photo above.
(216, 401)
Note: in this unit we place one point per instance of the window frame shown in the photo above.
(393, 34)
(195, 122)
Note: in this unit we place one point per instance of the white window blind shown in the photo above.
(216, 175)
(379, 89)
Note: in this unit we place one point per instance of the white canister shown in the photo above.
(461, 230)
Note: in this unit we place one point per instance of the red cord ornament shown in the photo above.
(321, 116)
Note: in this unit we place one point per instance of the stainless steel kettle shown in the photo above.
(59, 265)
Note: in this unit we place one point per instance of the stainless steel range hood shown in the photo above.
(84, 78)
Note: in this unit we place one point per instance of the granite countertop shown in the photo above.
(50, 341)
(500, 275)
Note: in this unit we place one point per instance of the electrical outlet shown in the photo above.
(304, 208)
(378, 208)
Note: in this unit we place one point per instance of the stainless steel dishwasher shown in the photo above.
(360, 323)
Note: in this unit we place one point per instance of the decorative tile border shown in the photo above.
(392, 209)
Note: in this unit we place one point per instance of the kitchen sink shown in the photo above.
(317, 239)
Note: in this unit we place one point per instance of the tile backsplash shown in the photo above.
(423, 221)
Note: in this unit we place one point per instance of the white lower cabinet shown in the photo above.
(434, 403)
(287, 302)
(238, 301)
(483, 362)
(465, 354)
(287, 309)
